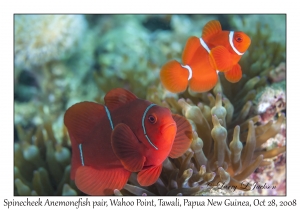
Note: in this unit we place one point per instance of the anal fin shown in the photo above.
(235, 74)
(100, 182)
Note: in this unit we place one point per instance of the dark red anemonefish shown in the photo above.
(204, 57)
(125, 135)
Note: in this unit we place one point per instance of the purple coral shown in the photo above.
(271, 102)
(279, 73)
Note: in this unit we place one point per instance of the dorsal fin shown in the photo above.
(211, 28)
(118, 97)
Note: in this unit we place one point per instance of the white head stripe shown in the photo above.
(231, 43)
(143, 125)
(204, 45)
(189, 69)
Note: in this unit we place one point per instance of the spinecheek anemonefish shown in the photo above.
(125, 135)
(215, 51)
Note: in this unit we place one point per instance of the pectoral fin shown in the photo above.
(221, 58)
(128, 148)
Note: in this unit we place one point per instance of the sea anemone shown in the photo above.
(42, 163)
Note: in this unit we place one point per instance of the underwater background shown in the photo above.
(60, 60)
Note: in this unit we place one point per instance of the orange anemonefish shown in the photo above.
(204, 57)
(125, 135)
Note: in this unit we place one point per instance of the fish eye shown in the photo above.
(152, 119)
(238, 39)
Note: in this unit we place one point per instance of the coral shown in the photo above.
(269, 102)
(273, 175)
(279, 73)
(42, 38)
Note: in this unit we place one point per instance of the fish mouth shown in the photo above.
(168, 127)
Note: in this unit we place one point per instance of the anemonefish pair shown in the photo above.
(125, 135)
(204, 57)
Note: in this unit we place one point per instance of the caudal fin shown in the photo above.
(81, 120)
(174, 77)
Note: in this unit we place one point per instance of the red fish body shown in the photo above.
(125, 135)
(204, 57)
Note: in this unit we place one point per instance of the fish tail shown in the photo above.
(174, 76)
(80, 125)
